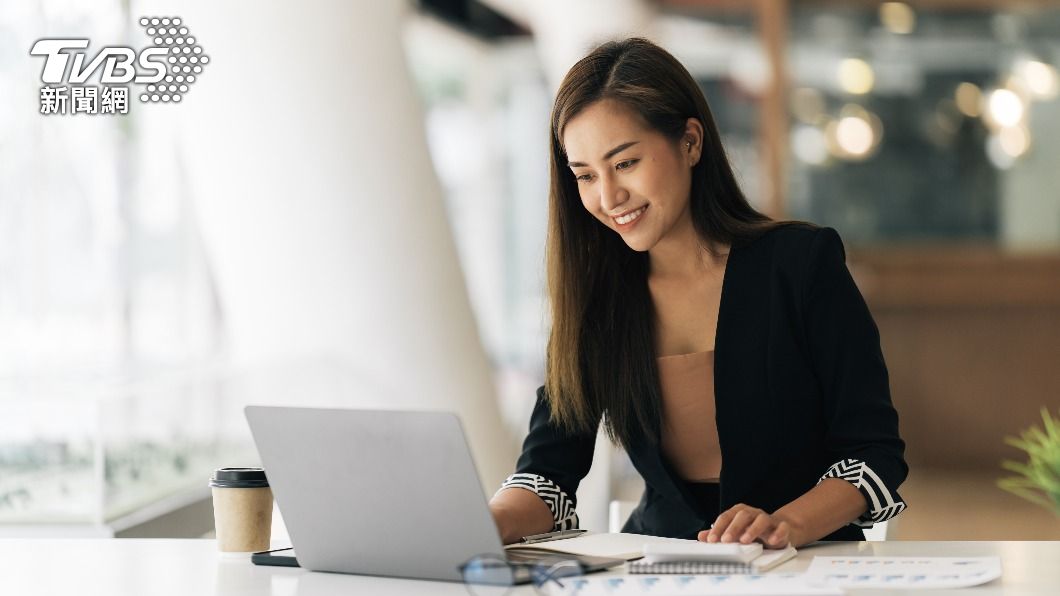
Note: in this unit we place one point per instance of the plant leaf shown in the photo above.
(1041, 472)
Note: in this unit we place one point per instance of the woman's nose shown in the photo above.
(612, 195)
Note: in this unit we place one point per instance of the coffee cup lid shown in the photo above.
(239, 478)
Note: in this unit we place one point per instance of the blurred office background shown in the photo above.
(348, 209)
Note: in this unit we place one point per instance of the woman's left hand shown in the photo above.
(746, 524)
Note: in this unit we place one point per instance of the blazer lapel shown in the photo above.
(740, 379)
(658, 473)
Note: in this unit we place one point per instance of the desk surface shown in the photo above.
(81, 567)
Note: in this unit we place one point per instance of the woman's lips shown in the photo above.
(627, 220)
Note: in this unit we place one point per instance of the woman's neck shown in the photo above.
(683, 254)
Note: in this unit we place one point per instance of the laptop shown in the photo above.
(373, 492)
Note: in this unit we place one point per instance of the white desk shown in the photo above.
(117, 567)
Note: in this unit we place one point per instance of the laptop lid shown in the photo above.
(391, 493)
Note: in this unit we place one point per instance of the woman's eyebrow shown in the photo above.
(608, 155)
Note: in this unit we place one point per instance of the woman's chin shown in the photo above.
(637, 243)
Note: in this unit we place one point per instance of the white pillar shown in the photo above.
(320, 211)
(566, 31)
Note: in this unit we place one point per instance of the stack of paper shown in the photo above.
(788, 584)
(903, 572)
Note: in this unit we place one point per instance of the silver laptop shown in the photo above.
(391, 493)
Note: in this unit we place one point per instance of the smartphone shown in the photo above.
(281, 557)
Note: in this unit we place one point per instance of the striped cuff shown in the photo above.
(883, 504)
(561, 506)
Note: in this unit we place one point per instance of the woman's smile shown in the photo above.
(627, 220)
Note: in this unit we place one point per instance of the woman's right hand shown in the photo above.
(518, 512)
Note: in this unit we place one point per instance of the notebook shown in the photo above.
(714, 558)
(612, 545)
(655, 554)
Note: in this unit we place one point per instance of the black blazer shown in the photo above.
(801, 393)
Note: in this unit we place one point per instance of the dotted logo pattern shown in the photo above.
(185, 58)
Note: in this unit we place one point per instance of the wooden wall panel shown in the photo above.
(972, 343)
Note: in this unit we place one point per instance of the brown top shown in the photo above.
(689, 432)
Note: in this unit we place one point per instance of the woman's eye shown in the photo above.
(583, 177)
(622, 165)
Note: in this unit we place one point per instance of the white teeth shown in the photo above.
(625, 219)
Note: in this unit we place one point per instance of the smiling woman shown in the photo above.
(615, 188)
(731, 355)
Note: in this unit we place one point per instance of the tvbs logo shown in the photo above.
(117, 63)
(166, 69)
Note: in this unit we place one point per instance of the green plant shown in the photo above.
(1041, 473)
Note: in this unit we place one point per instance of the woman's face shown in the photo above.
(630, 177)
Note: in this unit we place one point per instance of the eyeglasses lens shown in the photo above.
(488, 576)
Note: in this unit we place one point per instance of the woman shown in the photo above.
(731, 355)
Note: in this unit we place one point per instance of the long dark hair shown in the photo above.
(601, 350)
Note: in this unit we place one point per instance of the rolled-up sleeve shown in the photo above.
(844, 344)
(552, 464)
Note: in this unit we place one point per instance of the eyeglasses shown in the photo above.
(492, 575)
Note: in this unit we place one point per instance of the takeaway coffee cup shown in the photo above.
(242, 509)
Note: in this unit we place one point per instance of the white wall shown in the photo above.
(1029, 211)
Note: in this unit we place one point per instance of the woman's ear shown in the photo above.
(692, 143)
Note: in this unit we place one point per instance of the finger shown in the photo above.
(760, 528)
(721, 523)
(739, 524)
(746, 523)
(781, 536)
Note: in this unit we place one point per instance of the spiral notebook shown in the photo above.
(703, 558)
